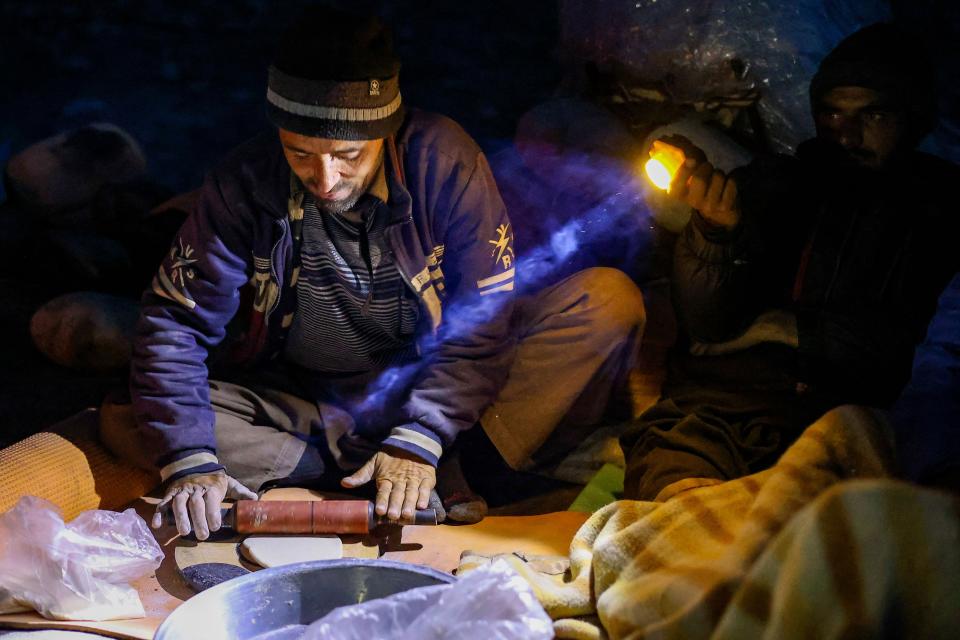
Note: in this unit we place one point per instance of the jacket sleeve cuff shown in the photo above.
(417, 440)
(712, 233)
(189, 463)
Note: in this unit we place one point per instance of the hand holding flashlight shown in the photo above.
(681, 168)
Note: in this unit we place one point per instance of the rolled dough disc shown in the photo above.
(274, 551)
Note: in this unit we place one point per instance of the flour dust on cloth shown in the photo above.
(795, 551)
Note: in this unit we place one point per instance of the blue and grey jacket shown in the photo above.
(217, 294)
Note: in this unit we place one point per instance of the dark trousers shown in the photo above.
(719, 418)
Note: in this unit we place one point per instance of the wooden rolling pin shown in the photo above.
(309, 516)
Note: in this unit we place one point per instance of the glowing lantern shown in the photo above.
(665, 160)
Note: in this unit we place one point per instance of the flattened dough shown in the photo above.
(274, 551)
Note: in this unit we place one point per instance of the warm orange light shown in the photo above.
(659, 175)
(665, 160)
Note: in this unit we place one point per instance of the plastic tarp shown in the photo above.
(687, 47)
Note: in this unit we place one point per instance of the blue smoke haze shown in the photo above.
(613, 231)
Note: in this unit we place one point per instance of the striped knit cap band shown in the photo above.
(336, 77)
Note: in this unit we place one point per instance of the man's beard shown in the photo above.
(340, 206)
(348, 202)
(862, 159)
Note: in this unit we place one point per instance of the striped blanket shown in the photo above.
(796, 551)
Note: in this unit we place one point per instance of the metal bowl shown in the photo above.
(277, 604)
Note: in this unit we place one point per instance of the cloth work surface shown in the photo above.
(768, 554)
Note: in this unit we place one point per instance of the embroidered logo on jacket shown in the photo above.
(181, 267)
(174, 286)
(502, 250)
(503, 255)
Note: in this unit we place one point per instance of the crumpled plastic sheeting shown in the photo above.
(491, 603)
(687, 45)
(75, 571)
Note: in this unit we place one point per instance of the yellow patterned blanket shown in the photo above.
(796, 551)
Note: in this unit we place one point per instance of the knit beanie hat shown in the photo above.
(336, 76)
(884, 58)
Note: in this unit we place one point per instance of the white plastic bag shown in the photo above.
(490, 603)
(75, 571)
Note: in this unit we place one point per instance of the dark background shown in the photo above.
(186, 78)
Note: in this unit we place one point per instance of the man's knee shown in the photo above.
(667, 445)
(649, 473)
(614, 302)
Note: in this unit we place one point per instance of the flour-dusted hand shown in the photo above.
(195, 502)
(403, 483)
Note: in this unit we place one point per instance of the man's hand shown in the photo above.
(708, 190)
(403, 483)
(195, 501)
